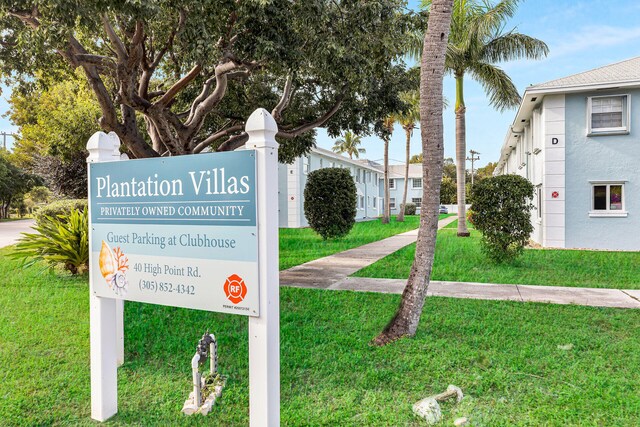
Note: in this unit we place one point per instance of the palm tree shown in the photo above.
(408, 120)
(349, 144)
(406, 319)
(387, 123)
(476, 43)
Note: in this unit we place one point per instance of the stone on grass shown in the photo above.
(429, 410)
(461, 421)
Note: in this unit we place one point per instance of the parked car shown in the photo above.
(443, 209)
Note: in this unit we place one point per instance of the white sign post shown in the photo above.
(197, 232)
(264, 331)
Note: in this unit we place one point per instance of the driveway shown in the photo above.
(10, 231)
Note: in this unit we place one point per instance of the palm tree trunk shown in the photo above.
(461, 150)
(405, 321)
(406, 177)
(386, 214)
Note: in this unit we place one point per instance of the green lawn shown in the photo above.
(461, 259)
(300, 245)
(504, 355)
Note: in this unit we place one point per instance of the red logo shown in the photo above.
(555, 194)
(235, 289)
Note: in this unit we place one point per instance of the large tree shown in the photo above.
(405, 322)
(14, 183)
(194, 70)
(478, 41)
(387, 124)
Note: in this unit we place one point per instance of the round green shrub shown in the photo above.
(330, 202)
(410, 209)
(60, 207)
(502, 212)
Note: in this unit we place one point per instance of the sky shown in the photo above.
(581, 35)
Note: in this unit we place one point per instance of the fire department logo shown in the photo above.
(235, 289)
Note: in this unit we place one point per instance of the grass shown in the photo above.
(461, 259)
(300, 245)
(506, 356)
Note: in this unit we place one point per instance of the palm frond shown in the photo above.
(502, 93)
(513, 45)
(492, 17)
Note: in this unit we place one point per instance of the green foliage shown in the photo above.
(55, 120)
(448, 191)
(501, 211)
(349, 144)
(330, 202)
(14, 183)
(60, 208)
(61, 240)
(410, 209)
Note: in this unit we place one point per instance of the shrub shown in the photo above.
(410, 209)
(61, 240)
(501, 211)
(330, 202)
(60, 207)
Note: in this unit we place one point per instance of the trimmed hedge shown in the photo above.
(502, 212)
(60, 207)
(330, 202)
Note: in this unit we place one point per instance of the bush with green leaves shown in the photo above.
(501, 211)
(60, 207)
(61, 240)
(410, 209)
(330, 202)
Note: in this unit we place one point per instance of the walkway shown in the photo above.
(333, 273)
(10, 231)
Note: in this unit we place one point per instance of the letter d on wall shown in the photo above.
(554, 141)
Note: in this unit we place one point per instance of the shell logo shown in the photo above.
(235, 289)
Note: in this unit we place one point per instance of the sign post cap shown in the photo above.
(262, 129)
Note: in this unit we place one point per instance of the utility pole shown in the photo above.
(473, 159)
(4, 139)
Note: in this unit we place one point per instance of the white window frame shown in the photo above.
(413, 183)
(539, 197)
(622, 213)
(413, 200)
(361, 202)
(626, 118)
(392, 202)
(392, 183)
(305, 165)
(375, 202)
(357, 175)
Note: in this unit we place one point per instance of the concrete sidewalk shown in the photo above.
(333, 273)
(10, 231)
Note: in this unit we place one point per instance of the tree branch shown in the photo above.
(312, 125)
(284, 100)
(118, 46)
(213, 138)
(179, 85)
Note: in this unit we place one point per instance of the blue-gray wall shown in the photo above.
(615, 157)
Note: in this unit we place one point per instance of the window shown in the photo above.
(305, 165)
(392, 202)
(392, 183)
(361, 202)
(321, 163)
(417, 201)
(333, 164)
(416, 183)
(608, 114)
(368, 176)
(607, 199)
(375, 202)
(539, 202)
(357, 175)
(368, 200)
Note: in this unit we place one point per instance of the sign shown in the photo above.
(178, 231)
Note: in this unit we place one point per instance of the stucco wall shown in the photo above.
(615, 157)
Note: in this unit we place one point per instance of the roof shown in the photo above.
(356, 162)
(397, 171)
(620, 72)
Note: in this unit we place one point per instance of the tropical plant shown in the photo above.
(502, 212)
(61, 240)
(407, 317)
(407, 120)
(349, 144)
(477, 42)
(387, 125)
(330, 202)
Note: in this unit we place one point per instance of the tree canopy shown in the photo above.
(194, 70)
